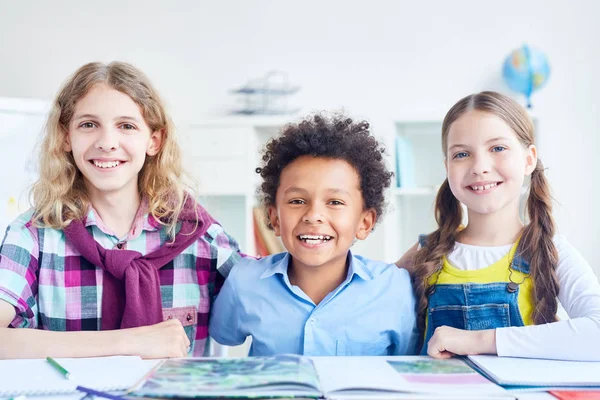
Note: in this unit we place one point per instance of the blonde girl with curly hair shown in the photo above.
(115, 256)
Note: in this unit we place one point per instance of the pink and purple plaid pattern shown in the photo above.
(52, 287)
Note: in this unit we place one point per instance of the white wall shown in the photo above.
(376, 59)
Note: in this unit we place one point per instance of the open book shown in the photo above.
(520, 373)
(316, 377)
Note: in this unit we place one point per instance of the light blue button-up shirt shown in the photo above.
(371, 313)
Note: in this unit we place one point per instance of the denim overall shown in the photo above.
(474, 306)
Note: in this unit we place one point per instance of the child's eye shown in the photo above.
(87, 125)
(297, 201)
(128, 127)
(460, 155)
(336, 203)
(498, 149)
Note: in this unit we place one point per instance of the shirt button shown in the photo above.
(120, 246)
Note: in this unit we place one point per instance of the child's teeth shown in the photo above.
(484, 187)
(106, 164)
(314, 239)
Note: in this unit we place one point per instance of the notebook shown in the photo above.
(37, 376)
(289, 376)
(522, 373)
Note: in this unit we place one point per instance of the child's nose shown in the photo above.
(481, 165)
(313, 215)
(108, 140)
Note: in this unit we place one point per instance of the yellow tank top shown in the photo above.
(497, 272)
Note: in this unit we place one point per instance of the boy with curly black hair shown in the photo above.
(324, 183)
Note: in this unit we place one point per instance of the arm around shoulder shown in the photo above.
(407, 260)
(226, 248)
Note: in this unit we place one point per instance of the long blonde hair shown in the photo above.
(59, 195)
(536, 245)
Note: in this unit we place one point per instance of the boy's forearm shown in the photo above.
(37, 343)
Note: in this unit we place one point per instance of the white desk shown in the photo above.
(152, 363)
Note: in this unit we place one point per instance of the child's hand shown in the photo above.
(447, 342)
(163, 340)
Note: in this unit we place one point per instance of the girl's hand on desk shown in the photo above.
(447, 342)
(163, 340)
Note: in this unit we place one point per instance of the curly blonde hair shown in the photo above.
(59, 195)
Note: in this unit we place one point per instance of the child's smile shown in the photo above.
(107, 164)
(484, 187)
(314, 240)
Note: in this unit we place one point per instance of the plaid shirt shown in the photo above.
(52, 287)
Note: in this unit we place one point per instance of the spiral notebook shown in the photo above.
(38, 377)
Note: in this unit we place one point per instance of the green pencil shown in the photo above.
(59, 367)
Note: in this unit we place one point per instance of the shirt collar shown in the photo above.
(280, 262)
(279, 265)
(142, 221)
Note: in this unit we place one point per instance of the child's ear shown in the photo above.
(274, 219)
(367, 222)
(531, 159)
(155, 142)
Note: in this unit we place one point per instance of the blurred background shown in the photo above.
(399, 64)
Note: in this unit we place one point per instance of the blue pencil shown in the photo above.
(99, 394)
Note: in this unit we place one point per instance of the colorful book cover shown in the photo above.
(279, 376)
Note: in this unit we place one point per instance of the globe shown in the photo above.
(526, 70)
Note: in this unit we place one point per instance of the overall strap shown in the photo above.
(519, 263)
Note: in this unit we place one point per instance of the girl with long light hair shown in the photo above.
(115, 256)
(493, 285)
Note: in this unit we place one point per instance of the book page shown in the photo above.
(361, 375)
(37, 376)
